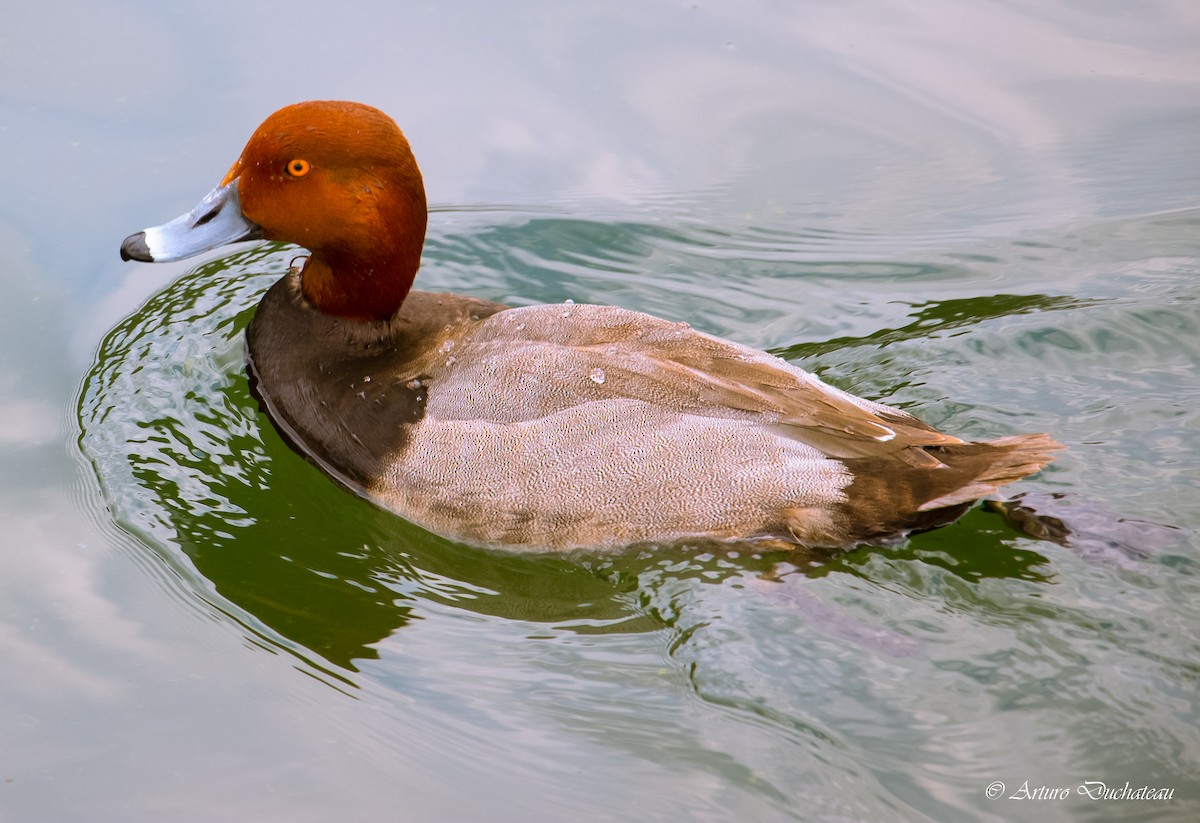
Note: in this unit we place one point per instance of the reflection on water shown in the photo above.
(939, 317)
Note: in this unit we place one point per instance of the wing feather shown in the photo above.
(555, 357)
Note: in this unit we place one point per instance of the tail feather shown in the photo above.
(892, 496)
(1001, 461)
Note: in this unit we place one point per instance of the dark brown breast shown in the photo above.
(346, 393)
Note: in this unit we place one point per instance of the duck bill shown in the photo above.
(215, 221)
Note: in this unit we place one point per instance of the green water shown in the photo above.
(986, 213)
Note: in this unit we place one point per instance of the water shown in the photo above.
(984, 213)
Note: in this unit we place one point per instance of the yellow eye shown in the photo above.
(298, 168)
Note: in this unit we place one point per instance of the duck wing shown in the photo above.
(548, 358)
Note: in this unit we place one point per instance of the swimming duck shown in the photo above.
(549, 427)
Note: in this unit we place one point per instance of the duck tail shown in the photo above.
(991, 464)
(895, 495)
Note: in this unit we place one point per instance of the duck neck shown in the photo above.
(363, 288)
(354, 292)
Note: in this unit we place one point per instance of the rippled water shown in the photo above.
(984, 211)
(869, 685)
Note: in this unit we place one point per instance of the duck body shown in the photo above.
(548, 427)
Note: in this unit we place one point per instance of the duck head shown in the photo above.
(336, 178)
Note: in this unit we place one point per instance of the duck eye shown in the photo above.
(298, 168)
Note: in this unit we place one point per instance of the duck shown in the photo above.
(543, 428)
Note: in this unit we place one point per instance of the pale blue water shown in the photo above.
(988, 213)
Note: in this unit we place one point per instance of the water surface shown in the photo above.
(985, 213)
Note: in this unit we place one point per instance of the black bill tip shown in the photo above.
(135, 248)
